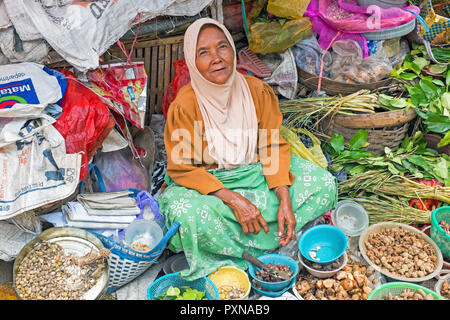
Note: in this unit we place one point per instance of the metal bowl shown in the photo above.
(74, 241)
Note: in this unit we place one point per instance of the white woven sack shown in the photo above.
(5, 22)
(21, 21)
(33, 51)
(34, 167)
(81, 32)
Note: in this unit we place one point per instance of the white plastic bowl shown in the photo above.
(350, 217)
(323, 274)
(145, 232)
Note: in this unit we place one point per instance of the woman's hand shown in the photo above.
(247, 214)
(285, 216)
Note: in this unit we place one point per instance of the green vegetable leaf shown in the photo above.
(445, 140)
(357, 169)
(389, 101)
(441, 169)
(409, 166)
(359, 140)
(420, 63)
(338, 143)
(418, 97)
(438, 82)
(420, 162)
(429, 88)
(407, 76)
(392, 169)
(437, 123)
(173, 291)
(437, 68)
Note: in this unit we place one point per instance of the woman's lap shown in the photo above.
(210, 235)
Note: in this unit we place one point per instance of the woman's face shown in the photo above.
(214, 56)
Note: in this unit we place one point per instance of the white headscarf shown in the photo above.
(228, 111)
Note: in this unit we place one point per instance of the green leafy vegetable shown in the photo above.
(182, 293)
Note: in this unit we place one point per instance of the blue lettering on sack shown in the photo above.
(17, 92)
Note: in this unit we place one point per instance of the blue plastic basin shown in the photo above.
(275, 259)
(327, 241)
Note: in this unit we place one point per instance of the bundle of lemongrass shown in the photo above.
(385, 183)
(298, 112)
(382, 208)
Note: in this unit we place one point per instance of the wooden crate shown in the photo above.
(159, 56)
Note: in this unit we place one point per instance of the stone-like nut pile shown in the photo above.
(401, 252)
(354, 282)
(445, 226)
(445, 290)
(408, 294)
(48, 273)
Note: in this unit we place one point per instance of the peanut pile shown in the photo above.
(401, 252)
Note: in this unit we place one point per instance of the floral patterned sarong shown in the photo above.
(210, 235)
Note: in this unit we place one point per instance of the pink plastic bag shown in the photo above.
(332, 16)
(349, 17)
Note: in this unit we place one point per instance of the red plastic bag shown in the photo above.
(83, 119)
(181, 78)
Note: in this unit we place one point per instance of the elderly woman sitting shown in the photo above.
(231, 181)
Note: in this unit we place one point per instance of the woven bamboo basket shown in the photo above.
(332, 87)
(384, 129)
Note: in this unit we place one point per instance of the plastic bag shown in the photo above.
(349, 19)
(181, 78)
(400, 56)
(122, 84)
(313, 154)
(83, 119)
(120, 170)
(291, 9)
(267, 35)
(308, 55)
(349, 66)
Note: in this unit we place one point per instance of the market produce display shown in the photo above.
(50, 273)
(445, 290)
(354, 282)
(401, 252)
(275, 269)
(182, 293)
(408, 294)
(359, 97)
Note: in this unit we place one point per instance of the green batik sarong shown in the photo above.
(209, 233)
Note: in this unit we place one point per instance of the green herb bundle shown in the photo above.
(412, 158)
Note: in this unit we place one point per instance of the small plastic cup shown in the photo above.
(143, 235)
(350, 217)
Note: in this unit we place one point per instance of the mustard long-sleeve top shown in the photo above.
(184, 133)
